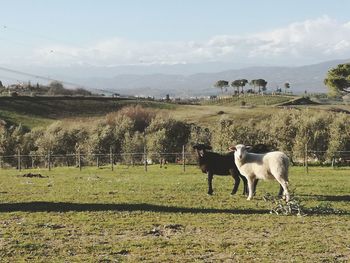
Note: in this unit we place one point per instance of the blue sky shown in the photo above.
(107, 33)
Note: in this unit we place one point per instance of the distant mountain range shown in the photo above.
(179, 80)
(303, 78)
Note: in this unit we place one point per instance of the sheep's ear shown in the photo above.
(232, 148)
(249, 147)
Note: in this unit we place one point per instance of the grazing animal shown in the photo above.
(219, 164)
(271, 165)
(262, 148)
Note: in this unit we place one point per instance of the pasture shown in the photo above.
(165, 215)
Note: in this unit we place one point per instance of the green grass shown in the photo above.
(209, 115)
(41, 111)
(28, 120)
(164, 215)
(251, 100)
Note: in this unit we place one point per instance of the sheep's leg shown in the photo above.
(280, 192)
(250, 188)
(284, 185)
(255, 184)
(210, 186)
(245, 185)
(235, 184)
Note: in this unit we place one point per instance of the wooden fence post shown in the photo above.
(183, 158)
(49, 160)
(145, 157)
(111, 157)
(19, 160)
(97, 161)
(145, 151)
(79, 160)
(0, 162)
(306, 159)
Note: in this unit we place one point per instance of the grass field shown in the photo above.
(41, 111)
(255, 100)
(164, 215)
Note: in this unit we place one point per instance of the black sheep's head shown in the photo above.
(201, 148)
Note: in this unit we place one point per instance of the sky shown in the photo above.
(108, 33)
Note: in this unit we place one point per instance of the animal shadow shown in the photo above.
(93, 207)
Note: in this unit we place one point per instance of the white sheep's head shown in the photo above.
(240, 151)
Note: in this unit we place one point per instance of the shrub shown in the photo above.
(141, 117)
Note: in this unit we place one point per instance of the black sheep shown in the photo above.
(219, 164)
(224, 164)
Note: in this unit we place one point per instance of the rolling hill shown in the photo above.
(304, 78)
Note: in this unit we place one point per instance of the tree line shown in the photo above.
(132, 128)
(257, 86)
(337, 80)
(54, 88)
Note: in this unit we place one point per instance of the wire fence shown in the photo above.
(80, 160)
(111, 159)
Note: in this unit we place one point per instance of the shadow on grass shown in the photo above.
(142, 207)
(335, 198)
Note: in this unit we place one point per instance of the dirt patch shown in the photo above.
(31, 175)
(166, 230)
(51, 226)
(299, 101)
(337, 110)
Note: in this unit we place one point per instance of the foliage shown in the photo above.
(338, 79)
(290, 130)
(279, 206)
(167, 135)
(222, 84)
(239, 83)
(140, 116)
(261, 83)
(133, 143)
(54, 88)
(286, 86)
(339, 135)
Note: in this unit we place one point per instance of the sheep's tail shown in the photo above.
(285, 162)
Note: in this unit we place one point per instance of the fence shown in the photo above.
(111, 159)
(79, 160)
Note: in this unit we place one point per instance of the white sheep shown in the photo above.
(271, 165)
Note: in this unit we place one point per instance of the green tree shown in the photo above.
(167, 135)
(339, 135)
(133, 143)
(286, 86)
(222, 84)
(236, 84)
(261, 83)
(254, 84)
(312, 134)
(338, 79)
(243, 83)
(56, 88)
(239, 83)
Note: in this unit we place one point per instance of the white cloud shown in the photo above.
(302, 42)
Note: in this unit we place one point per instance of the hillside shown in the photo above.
(39, 111)
(303, 78)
